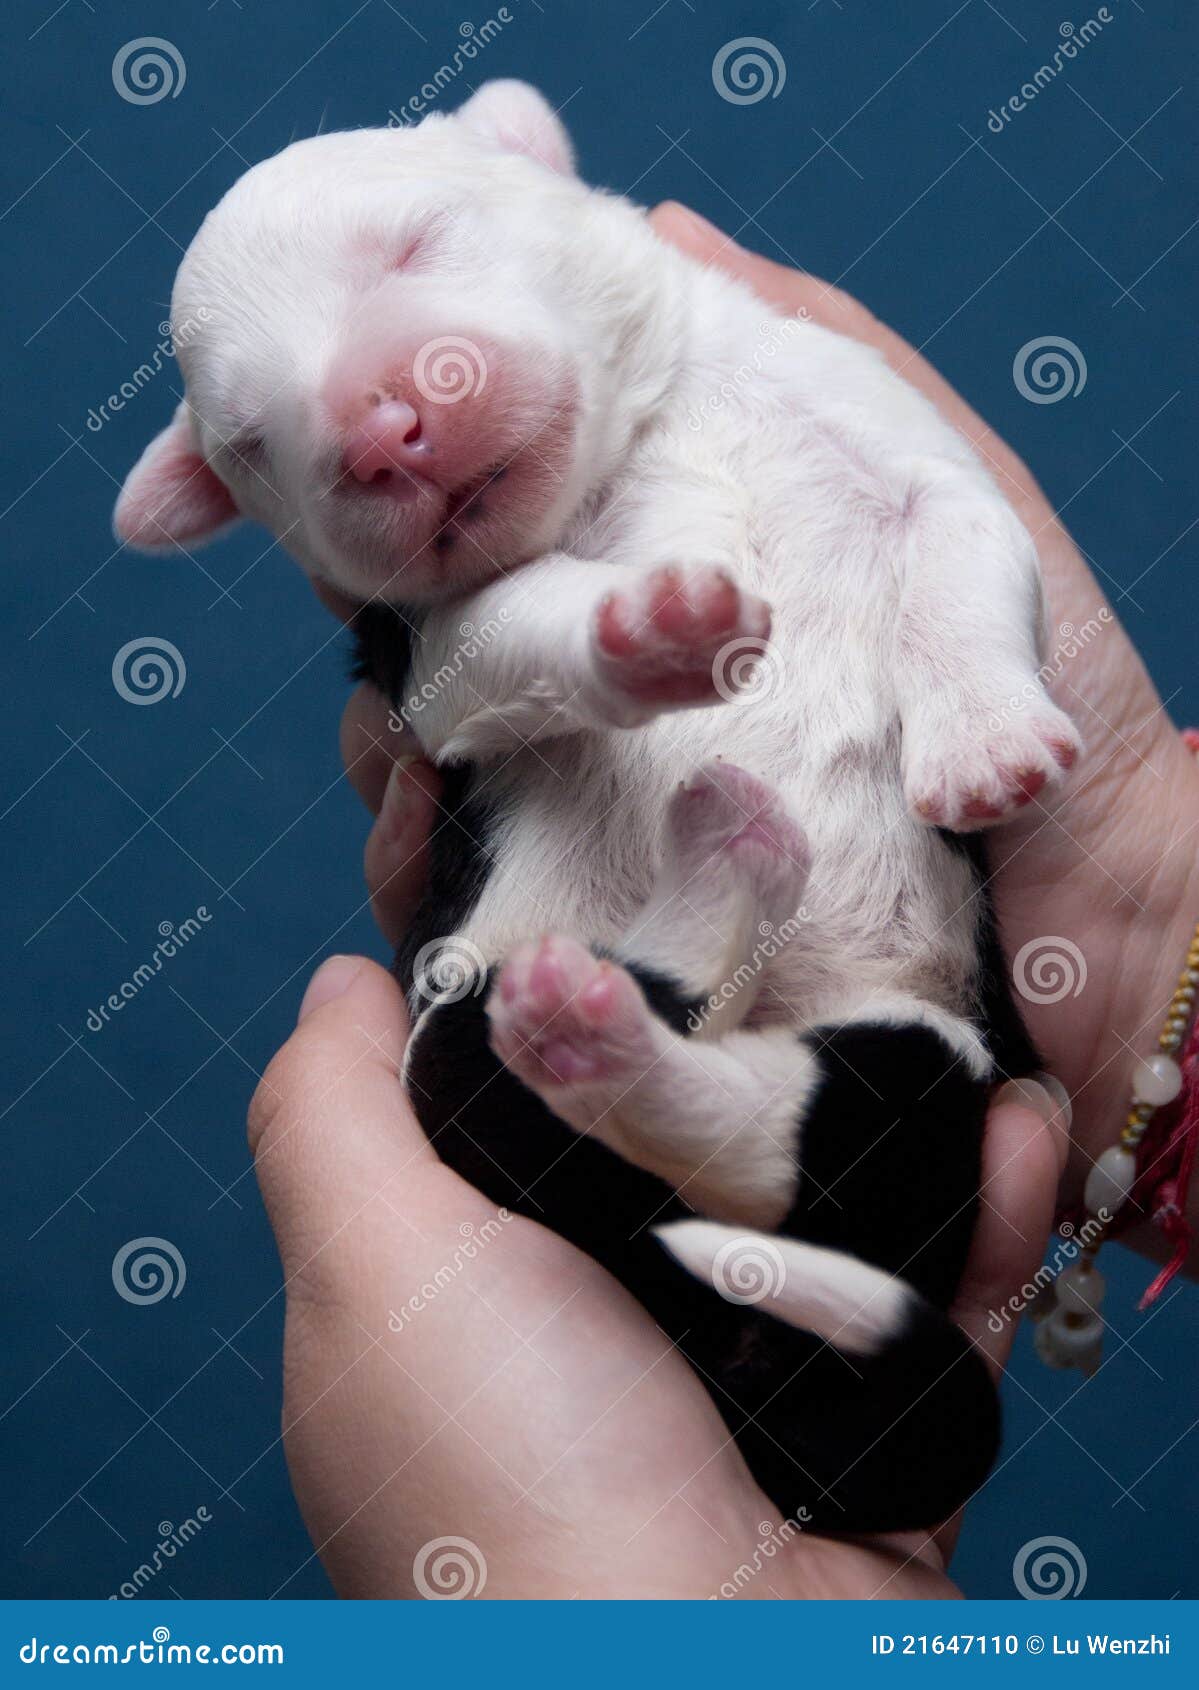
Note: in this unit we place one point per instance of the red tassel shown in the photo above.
(1174, 1166)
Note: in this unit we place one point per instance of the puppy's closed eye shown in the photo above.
(248, 448)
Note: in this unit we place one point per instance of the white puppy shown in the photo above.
(584, 487)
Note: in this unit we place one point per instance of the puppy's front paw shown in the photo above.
(675, 637)
(981, 768)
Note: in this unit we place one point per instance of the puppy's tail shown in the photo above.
(892, 1427)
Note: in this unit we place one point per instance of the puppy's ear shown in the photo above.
(170, 495)
(520, 120)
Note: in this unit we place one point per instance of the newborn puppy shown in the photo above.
(728, 646)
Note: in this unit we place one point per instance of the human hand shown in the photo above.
(1109, 864)
(453, 1372)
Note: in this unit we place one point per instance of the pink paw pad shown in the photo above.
(560, 1016)
(658, 638)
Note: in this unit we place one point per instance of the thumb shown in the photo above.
(331, 1129)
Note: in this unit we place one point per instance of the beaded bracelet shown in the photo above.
(1152, 1164)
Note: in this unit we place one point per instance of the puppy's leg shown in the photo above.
(980, 736)
(727, 894)
(717, 1121)
(564, 644)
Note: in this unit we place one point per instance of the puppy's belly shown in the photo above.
(887, 908)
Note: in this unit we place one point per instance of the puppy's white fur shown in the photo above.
(904, 591)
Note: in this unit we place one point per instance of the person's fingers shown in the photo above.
(369, 744)
(1023, 1156)
(329, 1125)
(401, 789)
(397, 848)
(337, 603)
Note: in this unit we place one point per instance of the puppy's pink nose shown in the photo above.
(386, 445)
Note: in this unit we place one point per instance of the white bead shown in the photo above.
(1080, 1288)
(1070, 1343)
(1156, 1080)
(1110, 1180)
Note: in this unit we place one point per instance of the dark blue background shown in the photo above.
(117, 818)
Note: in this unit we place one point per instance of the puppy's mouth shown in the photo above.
(476, 498)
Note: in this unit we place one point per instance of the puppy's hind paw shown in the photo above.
(561, 1017)
(978, 771)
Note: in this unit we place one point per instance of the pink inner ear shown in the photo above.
(518, 119)
(171, 496)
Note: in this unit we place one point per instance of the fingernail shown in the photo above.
(1028, 1094)
(1059, 1094)
(395, 813)
(334, 977)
